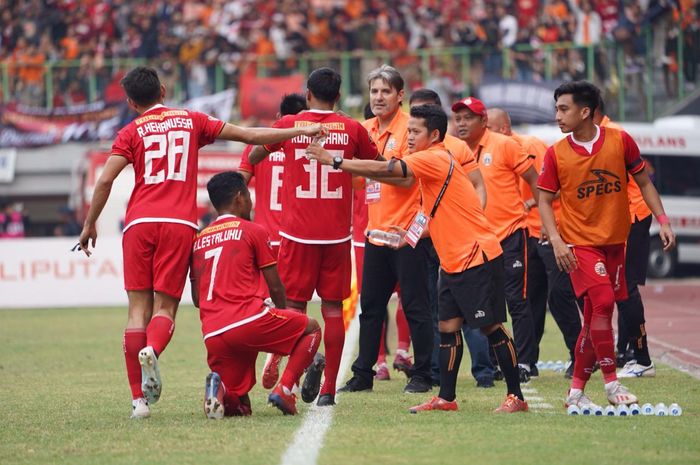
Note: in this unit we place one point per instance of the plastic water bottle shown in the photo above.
(558, 365)
(610, 411)
(540, 364)
(573, 410)
(647, 409)
(586, 410)
(598, 411)
(623, 410)
(635, 410)
(661, 409)
(384, 237)
(549, 365)
(675, 410)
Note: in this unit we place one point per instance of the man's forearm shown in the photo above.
(99, 200)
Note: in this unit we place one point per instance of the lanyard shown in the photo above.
(444, 186)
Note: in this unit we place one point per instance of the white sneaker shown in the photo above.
(150, 375)
(632, 369)
(580, 400)
(619, 394)
(140, 408)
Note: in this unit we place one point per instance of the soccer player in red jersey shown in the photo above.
(228, 259)
(315, 225)
(268, 206)
(161, 218)
(589, 168)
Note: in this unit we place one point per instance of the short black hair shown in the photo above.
(324, 84)
(367, 111)
(601, 106)
(224, 186)
(292, 104)
(583, 93)
(425, 95)
(434, 116)
(142, 85)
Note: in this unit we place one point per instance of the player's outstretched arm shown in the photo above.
(653, 201)
(260, 136)
(382, 171)
(115, 164)
(274, 284)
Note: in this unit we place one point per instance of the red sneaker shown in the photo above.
(511, 405)
(271, 371)
(403, 363)
(436, 403)
(382, 373)
(283, 399)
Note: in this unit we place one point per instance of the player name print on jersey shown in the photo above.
(218, 234)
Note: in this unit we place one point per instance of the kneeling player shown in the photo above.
(228, 258)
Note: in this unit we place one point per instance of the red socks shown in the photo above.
(404, 332)
(333, 340)
(134, 341)
(301, 357)
(159, 332)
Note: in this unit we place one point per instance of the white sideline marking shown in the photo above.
(308, 439)
(540, 405)
(672, 347)
(529, 390)
(535, 399)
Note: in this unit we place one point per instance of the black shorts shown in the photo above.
(637, 253)
(475, 294)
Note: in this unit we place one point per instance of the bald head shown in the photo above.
(499, 121)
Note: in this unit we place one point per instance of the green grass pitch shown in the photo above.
(64, 399)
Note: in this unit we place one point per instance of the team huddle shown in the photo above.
(449, 223)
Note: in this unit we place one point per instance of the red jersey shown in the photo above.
(318, 199)
(163, 145)
(226, 262)
(268, 190)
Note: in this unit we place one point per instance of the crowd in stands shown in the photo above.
(189, 39)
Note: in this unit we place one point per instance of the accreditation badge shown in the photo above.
(415, 231)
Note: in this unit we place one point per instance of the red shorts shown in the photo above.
(157, 257)
(232, 354)
(600, 265)
(325, 268)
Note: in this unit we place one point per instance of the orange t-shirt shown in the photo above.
(462, 153)
(594, 204)
(460, 231)
(397, 205)
(535, 149)
(501, 161)
(638, 207)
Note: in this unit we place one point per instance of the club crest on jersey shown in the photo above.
(391, 143)
(599, 269)
(487, 159)
(604, 182)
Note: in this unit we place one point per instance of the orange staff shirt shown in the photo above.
(397, 205)
(501, 161)
(460, 231)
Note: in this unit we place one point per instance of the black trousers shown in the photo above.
(547, 284)
(383, 269)
(515, 266)
(630, 314)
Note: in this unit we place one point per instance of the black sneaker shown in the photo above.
(312, 380)
(569, 373)
(484, 383)
(356, 384)
(326, 400)
(534, 371)
(524, 375)
(417, 384)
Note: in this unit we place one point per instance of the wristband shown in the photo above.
(662, 219)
